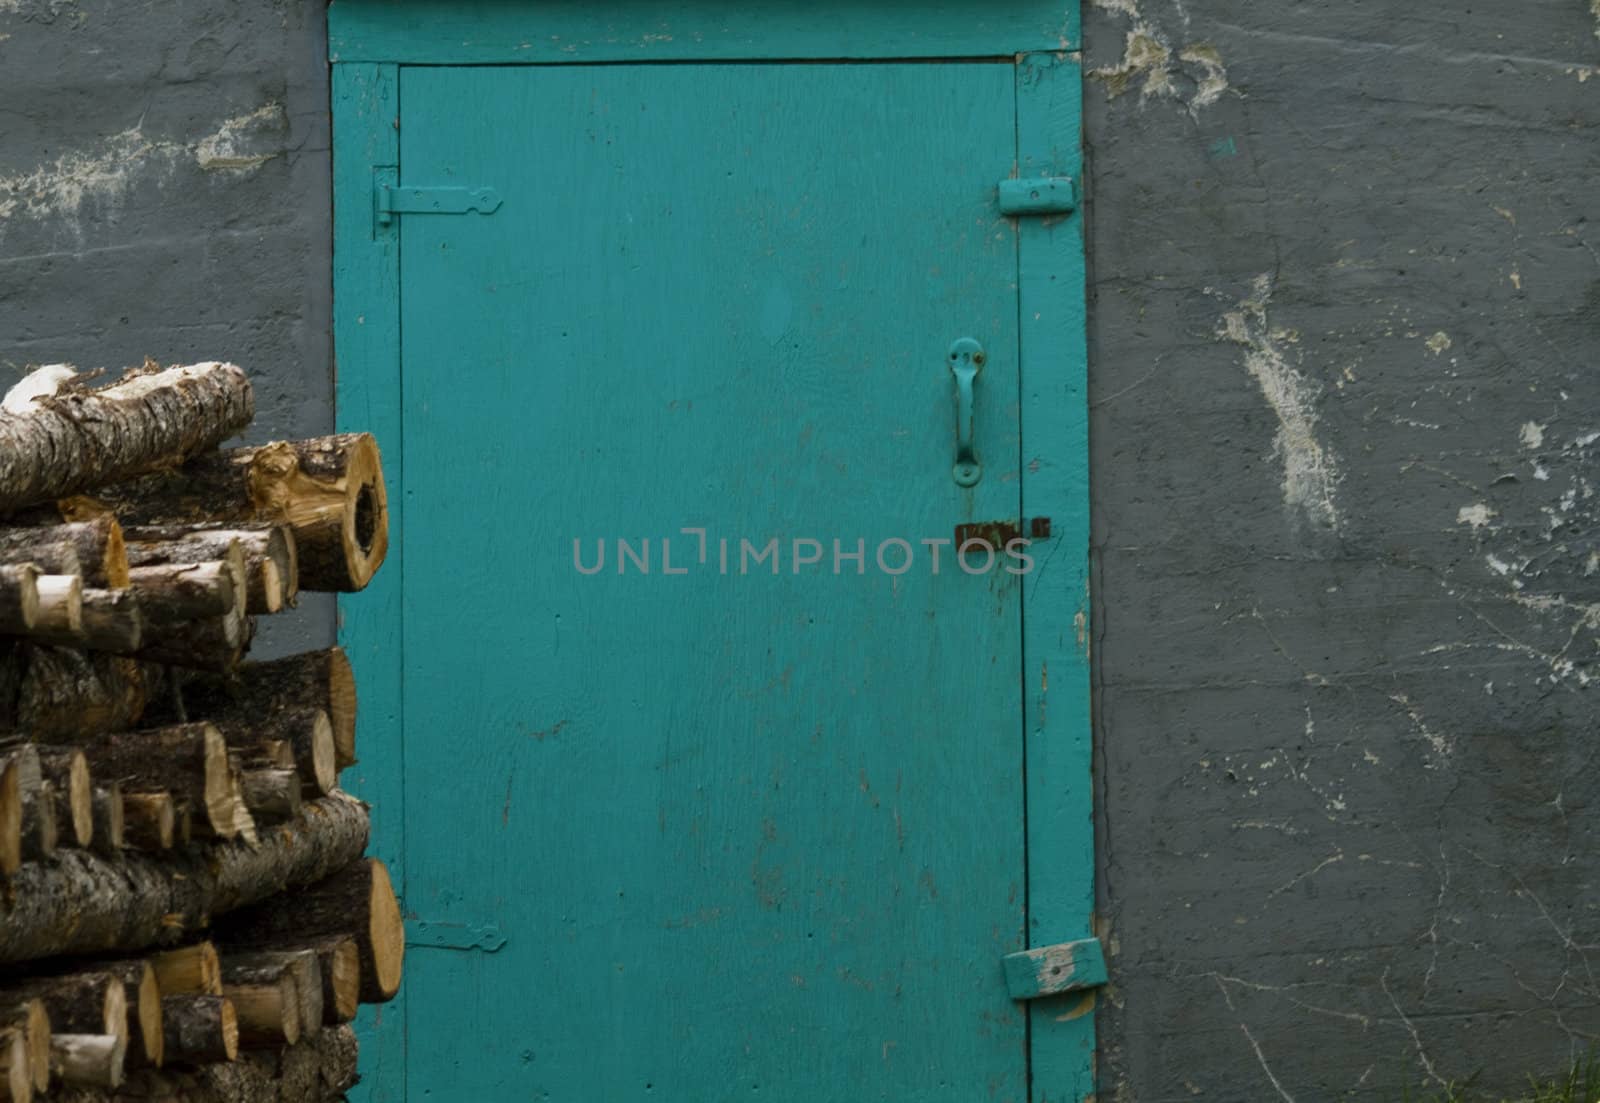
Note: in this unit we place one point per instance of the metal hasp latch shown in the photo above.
(999, 534)
(484, 937)
(390, 199)
(1039, 195)
(1052, 970)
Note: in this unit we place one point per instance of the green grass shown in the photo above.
(1580, 1085)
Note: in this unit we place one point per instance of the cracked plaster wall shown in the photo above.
(164, 192)
(1344, 331)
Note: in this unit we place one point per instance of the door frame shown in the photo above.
(369, 41)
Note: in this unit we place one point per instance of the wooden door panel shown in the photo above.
(741, 834)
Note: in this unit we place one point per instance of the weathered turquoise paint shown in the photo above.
(478, 32)
(1056, 626)
(691, 836)
(1054, 970)
(366, 281)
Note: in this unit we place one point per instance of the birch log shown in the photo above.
(92, 548)
(272, 697)
(71, 442)
(328, 490)
(200, 1029)
(357, 902)
(81, 903)
(19, 598)
(188, 760)
(270, 555)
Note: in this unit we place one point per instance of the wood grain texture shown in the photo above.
(727, 302)
(488, 32)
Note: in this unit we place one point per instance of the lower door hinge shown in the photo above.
(1052, 970)
(485, 937)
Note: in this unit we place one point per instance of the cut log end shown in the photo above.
(323, 761)
(10, 815)
(147, 1010)
(18, 1065)
(341, 973)
(386, 931)
(268, 1011)
(35, 1023)
(189, 970)
(75, 796)
(342, 707)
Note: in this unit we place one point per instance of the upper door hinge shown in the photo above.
(1052, 970)
(1039, 195)
(389, 199)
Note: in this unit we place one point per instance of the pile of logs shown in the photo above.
(186, 908)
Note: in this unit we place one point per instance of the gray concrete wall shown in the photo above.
(1344, 331)
(164, 181)
(1345, 318)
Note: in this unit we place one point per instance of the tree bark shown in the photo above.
(271, 697)
(200, 1029)
(71, 442)
(188, 760)
(63, 693)
(328, 490)
(320, 1069)
(215, 644)
(19, 598)
(111, 621)
(306, 731)
(93, 1001)
(110, 820)
(271, 558)
(357, 902)
(88, 1060)
(67, 769)
(150, 820)
(60, 607)
(81, 903)
(272, 796)
(176, 593)
(93, 548)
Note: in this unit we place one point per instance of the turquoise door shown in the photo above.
(713, 756)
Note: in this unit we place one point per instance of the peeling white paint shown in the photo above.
(1150, 62)
(1213, 81)
(103, 175)
(1531, 434)
(1309, 472)
(230, 146)
(1477, 515)
(1439, 342)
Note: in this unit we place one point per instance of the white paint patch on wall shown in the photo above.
(237, 145)
(1477, 515)
(1150, 62)
(1309, 472)
(1532, 433)
(60, 188)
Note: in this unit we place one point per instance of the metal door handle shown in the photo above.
(966, 361)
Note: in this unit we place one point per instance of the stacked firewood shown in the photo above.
(186, 909)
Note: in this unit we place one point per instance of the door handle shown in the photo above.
(966, 361)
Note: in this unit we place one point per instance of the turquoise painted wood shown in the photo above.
(476, 32)
(372, 628)
(701, 833)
